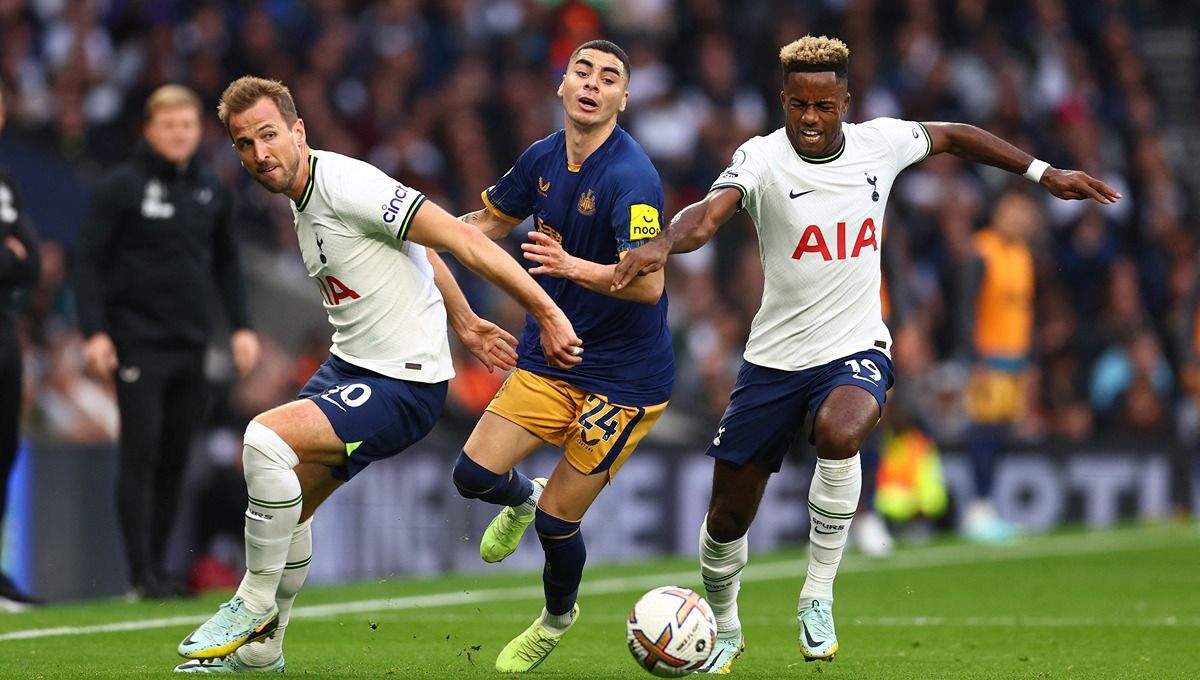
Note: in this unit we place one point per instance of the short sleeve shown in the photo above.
(637, 208)
(511, 198)
(371, 201)
(907, 141)
(744, 173)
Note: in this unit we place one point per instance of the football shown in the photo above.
(671, 631)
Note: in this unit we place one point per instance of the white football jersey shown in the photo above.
(820, 226)
(378, 289)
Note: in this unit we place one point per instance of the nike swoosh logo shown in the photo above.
(823, 532)
(793, 194)
(808, 638)
(188, 640)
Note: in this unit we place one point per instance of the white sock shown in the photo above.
(298, 558)
(721, 568)
(530, 505)
(272, 514)
(557, 623)
(832, 499)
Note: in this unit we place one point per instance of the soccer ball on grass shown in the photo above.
(671, 631)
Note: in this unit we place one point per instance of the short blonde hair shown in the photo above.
(812, 54)
(171, 97)
(245, 92)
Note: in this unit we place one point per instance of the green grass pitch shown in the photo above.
(1087, 605)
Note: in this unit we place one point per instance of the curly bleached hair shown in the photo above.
(812, 54)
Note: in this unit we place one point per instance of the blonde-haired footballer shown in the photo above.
(816, 189)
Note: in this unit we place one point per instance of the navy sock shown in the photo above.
(475, 481)
(984, 447)
(562, 541)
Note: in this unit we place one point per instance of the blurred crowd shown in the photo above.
(445, 94)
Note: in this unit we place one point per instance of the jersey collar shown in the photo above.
(824, 159)
(598, 153)
(310, 184)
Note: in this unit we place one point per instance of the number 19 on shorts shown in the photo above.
(865, 370)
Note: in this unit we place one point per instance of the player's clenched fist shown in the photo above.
(563, 349)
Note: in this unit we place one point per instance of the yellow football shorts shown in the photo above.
(599, 435)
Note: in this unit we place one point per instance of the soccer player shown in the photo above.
(594, 196)
(363, 237)
(816, 189)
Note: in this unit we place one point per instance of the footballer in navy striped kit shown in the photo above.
(592, 196)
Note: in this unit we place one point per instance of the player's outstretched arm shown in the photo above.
(980, 146)
(492, 225)
(688, 230)
(491, 344)
(552, 260)
(437, 229)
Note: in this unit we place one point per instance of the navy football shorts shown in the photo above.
(768, 406)
(376, 416)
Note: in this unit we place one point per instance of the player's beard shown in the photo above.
(289, 177)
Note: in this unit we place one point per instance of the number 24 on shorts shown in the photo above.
(607, 422)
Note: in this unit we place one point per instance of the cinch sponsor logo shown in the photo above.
(391, 209)
(813, 241)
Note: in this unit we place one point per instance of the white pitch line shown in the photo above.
(1074, 545)
(1024, 621)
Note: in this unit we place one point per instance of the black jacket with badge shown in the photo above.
(15, 273)
(155, 241)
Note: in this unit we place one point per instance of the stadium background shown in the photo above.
(444, 95)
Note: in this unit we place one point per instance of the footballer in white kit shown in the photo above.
(390, 347)
(363, 237)
(816, 189)
(820, 227)
(377, 287)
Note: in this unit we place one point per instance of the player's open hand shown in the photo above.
(1076, 184)
(491, 344)
(563, 349)
(549, 255)
(641, 260)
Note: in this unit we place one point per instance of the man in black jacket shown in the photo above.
(19, 266)
(158, 234)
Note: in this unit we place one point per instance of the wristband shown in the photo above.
(1035, 171)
